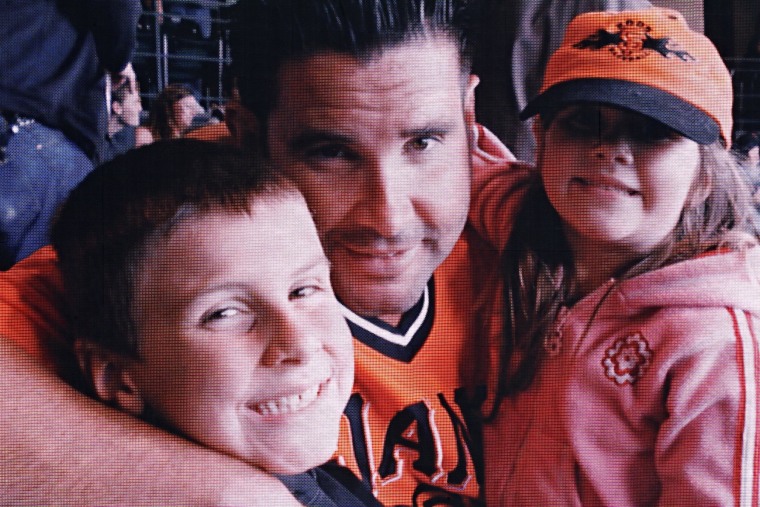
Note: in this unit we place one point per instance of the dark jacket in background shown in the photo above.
(53, 59)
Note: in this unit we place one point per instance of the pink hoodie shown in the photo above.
(648, 394)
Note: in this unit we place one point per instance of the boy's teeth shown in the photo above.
(287, 403)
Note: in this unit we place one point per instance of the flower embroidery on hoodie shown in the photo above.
(627, 359)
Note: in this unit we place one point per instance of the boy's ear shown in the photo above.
(469, 100)
(111, 377)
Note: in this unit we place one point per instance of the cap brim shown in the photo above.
(669, 110)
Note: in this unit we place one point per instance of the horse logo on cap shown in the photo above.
(631, 42)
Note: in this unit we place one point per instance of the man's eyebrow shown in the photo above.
(311, 137)
(440, 128)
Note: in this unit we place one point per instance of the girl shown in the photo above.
(629, 362)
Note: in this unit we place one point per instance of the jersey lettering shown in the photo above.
(414, 430)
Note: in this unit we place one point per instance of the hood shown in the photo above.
(726, 279)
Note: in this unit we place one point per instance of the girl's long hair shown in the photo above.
(537, 265)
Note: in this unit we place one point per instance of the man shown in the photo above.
(369, 107)
(123, 120)
(54, 56)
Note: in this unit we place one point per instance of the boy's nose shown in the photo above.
(292, 341)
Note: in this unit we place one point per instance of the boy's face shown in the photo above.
(242, 346)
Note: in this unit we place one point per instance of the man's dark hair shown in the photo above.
(268, 33)
(105, 228)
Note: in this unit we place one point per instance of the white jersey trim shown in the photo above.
(389, 336)
(747, 478)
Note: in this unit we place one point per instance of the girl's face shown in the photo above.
(617, 179)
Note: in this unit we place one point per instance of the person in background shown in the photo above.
(54, 57)
(629, 365)
(207, 309)
(172, 115)
(123, 121)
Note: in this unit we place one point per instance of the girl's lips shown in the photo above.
(609, 184)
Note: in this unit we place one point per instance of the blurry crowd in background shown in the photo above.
(178, 79)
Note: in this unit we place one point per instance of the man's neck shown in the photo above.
(391, 319)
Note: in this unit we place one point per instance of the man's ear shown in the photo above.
(116, 108)
(242, 124)
(111, 377)
(469, 108)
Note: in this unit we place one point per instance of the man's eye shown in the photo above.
(421, 143)
(303, 292)
(329, 151)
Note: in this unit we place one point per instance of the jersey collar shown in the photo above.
(400, 342)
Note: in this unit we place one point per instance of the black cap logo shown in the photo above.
(631, 42)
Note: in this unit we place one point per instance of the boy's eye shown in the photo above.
(328, 152)
(303, 292)
(219, 315)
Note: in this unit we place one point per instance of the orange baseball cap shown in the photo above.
(647, 61)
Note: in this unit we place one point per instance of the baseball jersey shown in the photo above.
(412, 428)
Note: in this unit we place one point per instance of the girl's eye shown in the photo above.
(650, 131)
(582, 123)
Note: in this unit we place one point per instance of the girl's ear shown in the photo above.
(111, 377)
(701, 188)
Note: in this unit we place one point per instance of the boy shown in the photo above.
(202, 301)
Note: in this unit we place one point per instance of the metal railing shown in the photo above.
(172, 48)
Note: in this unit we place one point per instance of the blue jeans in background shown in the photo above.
(40, 167)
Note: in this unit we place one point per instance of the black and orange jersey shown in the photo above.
(412, 428)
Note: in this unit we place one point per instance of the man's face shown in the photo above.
(242, 344)
(379, 148)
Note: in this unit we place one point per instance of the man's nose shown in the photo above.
(389, 191)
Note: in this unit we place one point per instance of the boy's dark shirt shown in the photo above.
(329, 485)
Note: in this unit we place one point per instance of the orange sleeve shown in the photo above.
(31, 302)
(499, 183)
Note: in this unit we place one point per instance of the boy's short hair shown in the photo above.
(103, 231)
(268, 33)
